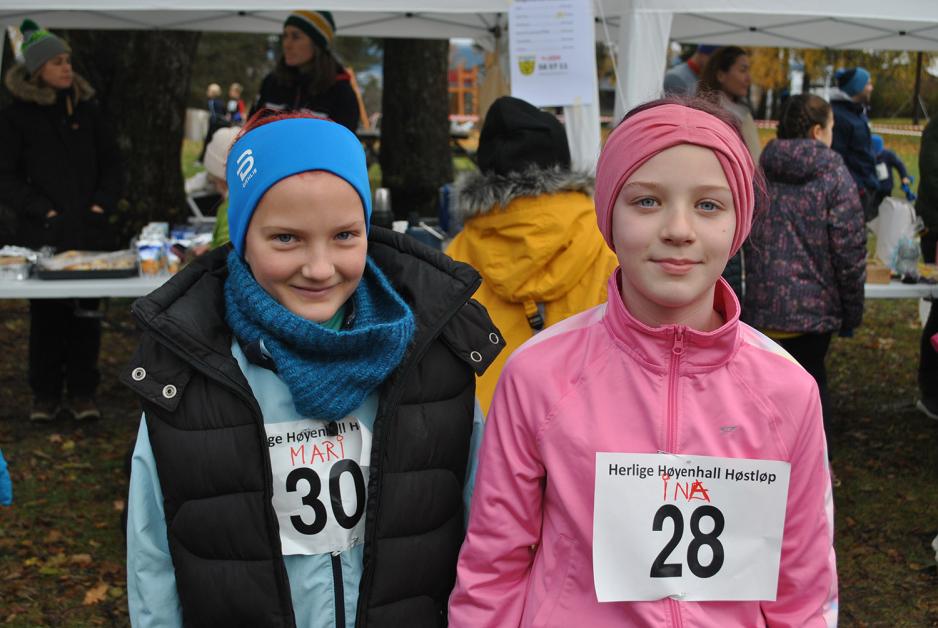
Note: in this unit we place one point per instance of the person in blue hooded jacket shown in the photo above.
(852, 135)
(887, 162)
(310, 424)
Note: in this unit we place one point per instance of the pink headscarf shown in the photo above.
(653, 130)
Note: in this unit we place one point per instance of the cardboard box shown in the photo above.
(877, 272)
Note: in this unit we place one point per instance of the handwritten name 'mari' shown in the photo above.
(711, 473)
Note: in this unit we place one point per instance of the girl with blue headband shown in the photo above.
(308, 391)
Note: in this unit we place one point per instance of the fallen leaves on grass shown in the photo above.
(96, 594)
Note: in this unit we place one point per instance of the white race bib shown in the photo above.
(689, 527)
(882, 172)
(320, 484)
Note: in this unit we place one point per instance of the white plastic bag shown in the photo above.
(896, 220)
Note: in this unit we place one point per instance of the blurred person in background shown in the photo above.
(529, 229)
(926, 206)
(216, 157)
(682, 79)
(235, 109)
(888, 162)
(852, 135)
(217, 115)
(60, 171)
(806, 260)
(725, 80)
(6, 485)
(307, 76)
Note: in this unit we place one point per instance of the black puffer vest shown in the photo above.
(208, 439)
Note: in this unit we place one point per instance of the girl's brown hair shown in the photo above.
(720, 61)
(799, 115)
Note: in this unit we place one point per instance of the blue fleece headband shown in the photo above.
(855, 84)
(277, 150)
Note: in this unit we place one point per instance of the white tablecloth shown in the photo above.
(899, 290)
(79, 288)
(139, 286)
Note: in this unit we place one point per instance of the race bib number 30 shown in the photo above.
(695, 528)
(320, 483)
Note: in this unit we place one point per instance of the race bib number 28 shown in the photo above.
(320, 481)
(690, 527)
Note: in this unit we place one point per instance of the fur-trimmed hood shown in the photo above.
(27, 88)
(479, 193)
(531, 235)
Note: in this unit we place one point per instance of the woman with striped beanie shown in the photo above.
(307, 76)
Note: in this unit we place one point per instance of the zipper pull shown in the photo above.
(678, 347)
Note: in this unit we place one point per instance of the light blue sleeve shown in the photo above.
(6, 485)
(151, 581)
(475, 445)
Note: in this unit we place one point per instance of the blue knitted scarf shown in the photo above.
(329, 373)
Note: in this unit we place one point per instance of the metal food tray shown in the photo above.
(120, 273)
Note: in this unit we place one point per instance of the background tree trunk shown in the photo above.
(415, 153)
(142, 83)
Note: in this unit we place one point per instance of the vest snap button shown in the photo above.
(169, 391)
(138, 374)
(475, 356)
(493, 338)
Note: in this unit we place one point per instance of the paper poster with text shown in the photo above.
(552, 48)
(696, 528)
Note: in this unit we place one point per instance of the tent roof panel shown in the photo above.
(794, 23)
(804, 31)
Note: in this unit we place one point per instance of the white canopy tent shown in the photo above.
(641, 29)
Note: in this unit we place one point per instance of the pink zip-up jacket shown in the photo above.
(603, 381)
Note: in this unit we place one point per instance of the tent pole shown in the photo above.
(918, 87)
(4, 40)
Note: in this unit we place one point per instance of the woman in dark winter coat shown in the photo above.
(310, 425)
(60, 173)
(806, 262)
(307, 76)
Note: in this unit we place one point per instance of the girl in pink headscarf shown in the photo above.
(654, 461)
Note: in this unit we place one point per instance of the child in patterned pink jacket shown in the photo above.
(654, 461)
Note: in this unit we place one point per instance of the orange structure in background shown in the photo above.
(464, 83)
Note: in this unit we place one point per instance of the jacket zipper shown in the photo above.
(272, 523)
(338, 585)
(377, 450)
(677, 352)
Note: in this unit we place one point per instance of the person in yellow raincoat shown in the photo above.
(530, 229)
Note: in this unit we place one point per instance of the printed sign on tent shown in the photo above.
(552, 48)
